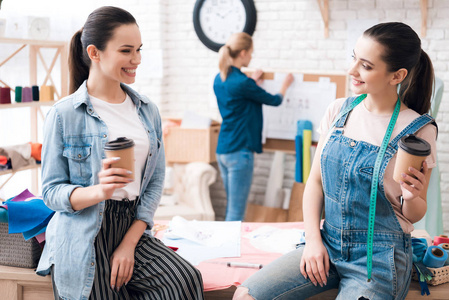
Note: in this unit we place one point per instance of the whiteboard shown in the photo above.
(304, 100)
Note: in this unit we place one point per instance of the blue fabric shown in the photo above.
(240, 102)
(236, 170)
(36, 231)
(346, 172)
(72, 151)
(3, 215)
(27, 215)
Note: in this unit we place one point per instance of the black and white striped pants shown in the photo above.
(159, 273)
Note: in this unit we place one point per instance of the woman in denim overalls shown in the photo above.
(386, 55)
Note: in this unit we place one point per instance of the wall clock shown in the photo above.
(215, 20)
(39, 28)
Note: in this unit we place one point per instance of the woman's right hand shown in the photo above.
(315, 262)
(288, 80)
(112, 178)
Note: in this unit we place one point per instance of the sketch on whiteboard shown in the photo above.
(304, 100)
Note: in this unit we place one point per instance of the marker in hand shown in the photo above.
(244, 265)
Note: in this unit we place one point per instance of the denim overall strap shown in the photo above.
(412, 128)
(340, 120)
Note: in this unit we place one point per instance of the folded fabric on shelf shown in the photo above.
(19, 155)
(36, 150)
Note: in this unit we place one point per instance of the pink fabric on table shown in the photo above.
(215, 272)
(217, 275)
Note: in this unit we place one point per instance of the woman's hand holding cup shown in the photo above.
(112, 178)
(412, 185)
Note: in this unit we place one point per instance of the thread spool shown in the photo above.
(35, 91)
(27, 94)
(441, 239)
(435, 257)
(18, 94)
(445, 247)
(5, 95)
(46, 93)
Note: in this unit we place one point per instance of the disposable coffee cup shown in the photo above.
(412, 151)
(123, 148)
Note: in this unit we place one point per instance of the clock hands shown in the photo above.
(225, 14)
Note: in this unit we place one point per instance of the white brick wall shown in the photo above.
(289, 35)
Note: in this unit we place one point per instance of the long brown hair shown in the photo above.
(235, 44)
(403, 50)
(98, 30)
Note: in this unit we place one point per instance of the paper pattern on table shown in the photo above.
(271, 239)
(202, 240)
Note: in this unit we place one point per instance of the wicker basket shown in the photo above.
(15, 251)
(440, 275)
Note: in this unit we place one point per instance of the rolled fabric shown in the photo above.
(441, 239)
(435, 257)
(27, 94)
(298, 165)
(306, 160)
(18, 92)
(5, 95)
(35, 90)
(445, 247)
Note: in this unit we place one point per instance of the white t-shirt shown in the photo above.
(122, 120)
(363, 125)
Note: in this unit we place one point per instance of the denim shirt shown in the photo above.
(74, 137)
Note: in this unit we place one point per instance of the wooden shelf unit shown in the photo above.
(61, 88)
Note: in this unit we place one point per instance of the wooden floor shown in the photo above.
(439, 292)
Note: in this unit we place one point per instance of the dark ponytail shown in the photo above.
(78, 66)
(98, 30)
(403, 50)
(417, 88)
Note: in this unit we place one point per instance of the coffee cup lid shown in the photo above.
(414, 145)
(118, 144)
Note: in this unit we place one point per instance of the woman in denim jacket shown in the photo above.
(96, 247)
(341, 179)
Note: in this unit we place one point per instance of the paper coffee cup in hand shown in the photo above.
(412, 151)
(123, 148)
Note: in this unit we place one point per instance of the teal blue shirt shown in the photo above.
(240, 102)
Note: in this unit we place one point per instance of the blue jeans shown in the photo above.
(236, 170)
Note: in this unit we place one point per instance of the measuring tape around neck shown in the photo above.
(374, 183)
(375, 180)
(348, 109)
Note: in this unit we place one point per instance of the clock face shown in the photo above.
(39, 28)
(220, 19)
(216, 20)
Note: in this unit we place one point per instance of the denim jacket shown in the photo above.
(74, 137)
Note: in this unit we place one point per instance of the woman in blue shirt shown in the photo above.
(96, 247)
(240, 102)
